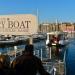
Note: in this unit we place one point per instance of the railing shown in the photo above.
(65, 62)
(47, 65)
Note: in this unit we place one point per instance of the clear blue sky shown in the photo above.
(48, 10)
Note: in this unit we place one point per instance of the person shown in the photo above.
(4, 65)
(28, 64)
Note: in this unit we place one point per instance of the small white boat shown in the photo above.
(56, 38)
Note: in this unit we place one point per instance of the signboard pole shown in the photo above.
(30, 40)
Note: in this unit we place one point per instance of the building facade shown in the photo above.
(65, 27)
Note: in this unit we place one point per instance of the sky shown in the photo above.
(48, 10)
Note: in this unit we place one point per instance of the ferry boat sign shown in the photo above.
(21, 24)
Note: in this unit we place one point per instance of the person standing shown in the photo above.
(28, 64)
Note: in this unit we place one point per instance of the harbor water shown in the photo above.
(70, 58)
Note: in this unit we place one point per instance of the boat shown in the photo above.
(18, 40)
(38, 37)
(56, 38)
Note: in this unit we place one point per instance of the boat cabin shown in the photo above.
(56, 37)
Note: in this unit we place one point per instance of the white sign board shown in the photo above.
(21, 24)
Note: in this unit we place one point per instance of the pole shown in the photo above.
(65, 62)
(59, 66)
(54, 71)
(50, 52)
(15, 48)
(41, 54)
(31, 40)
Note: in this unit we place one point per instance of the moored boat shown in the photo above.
(56, 38)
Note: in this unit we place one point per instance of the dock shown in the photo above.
(49, 64)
